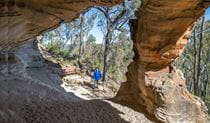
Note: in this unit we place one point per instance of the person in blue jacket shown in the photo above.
(96, 76)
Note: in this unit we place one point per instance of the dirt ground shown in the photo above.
(23, 101)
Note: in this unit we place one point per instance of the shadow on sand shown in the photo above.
(39, 98)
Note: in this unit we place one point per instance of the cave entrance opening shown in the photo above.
(98, 38)
(162, 100)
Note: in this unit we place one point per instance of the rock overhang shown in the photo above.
(160, 36)
(21, 20)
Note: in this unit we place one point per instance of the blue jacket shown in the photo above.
(97, 75)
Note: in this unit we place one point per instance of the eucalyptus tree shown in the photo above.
(113, 21)
(195, 60)
(71, 34)
(86, 23)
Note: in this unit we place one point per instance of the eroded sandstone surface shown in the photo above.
(31, 92)
(160, 34)
(21, 20)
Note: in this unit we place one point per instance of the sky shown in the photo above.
(207, 14)
(97, 33)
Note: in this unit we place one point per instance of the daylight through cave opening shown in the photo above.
(159, 29)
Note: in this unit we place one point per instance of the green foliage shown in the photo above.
(122, 56)
(54, 47)
(73, 42)
(188, 61)
(91, 39)
(136, 3)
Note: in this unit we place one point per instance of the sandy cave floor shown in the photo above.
(22, 101)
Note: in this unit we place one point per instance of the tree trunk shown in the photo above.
(81, 38)
(107, 49)
(195, 86)
(205, 85)
(198, 92)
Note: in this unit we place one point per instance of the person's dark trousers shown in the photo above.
(96, 83)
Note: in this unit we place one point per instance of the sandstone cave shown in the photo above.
(30, 86)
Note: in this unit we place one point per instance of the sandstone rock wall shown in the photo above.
(31, 92)
(21, 20)
(159, 35)
(37, 75)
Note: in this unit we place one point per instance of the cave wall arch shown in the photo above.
(160, 34)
